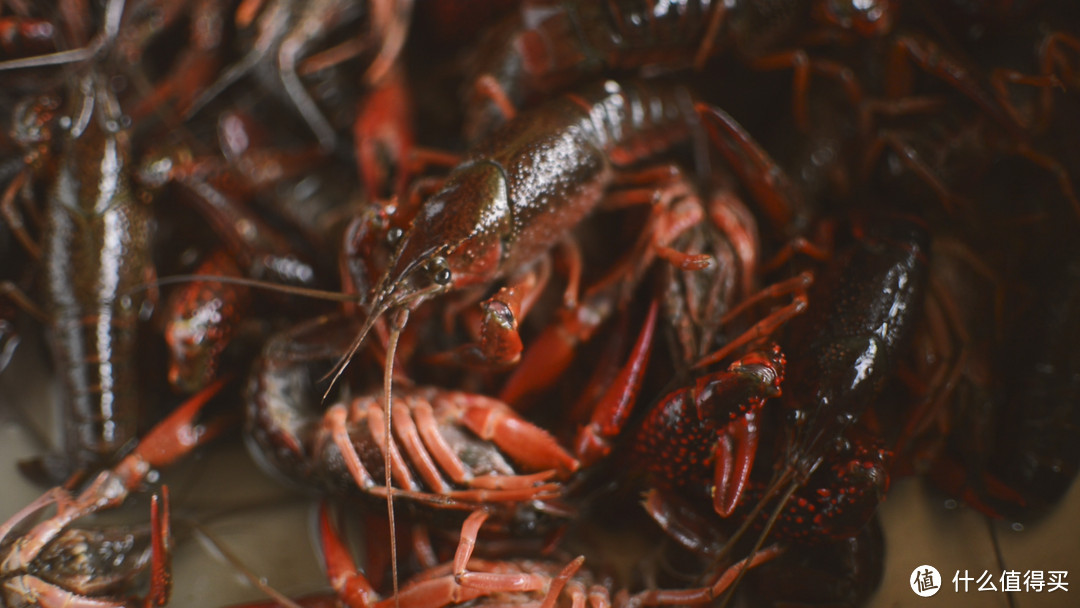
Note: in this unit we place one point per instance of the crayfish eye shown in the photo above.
(393, 236)
(440, 272)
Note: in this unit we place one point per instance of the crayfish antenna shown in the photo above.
(343, 362)
(792, 487)
(216, 546)
(998, 555)
(114, 10)
(231, 75)
(401, 305)
(378, 309)
(400, 320)
(292, 290)
(58, 58)
(752, 516)
(388, 383)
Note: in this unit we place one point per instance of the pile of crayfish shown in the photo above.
(559, 302)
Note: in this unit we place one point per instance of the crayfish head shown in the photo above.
(457, 239)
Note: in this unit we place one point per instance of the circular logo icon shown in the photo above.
(925, 581)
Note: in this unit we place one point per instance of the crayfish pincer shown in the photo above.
(53, 563)
(828, 472)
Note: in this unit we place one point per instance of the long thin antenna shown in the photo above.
(343, 362)
(212, 542)
(114, 11)
(401, 319)
(58, 58)
(307, 292)
(751, 517)
(226, 80)
(996, 541)
(730, 593)
(378, 309)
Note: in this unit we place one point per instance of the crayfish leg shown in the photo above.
(161, 551)
(613, 409)
(352, 587)
(701, 595)
(683, 522)
(384, 140)
(780, 200)
(462, 584)
(770, 323)
(523, 442)
(11, 214)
